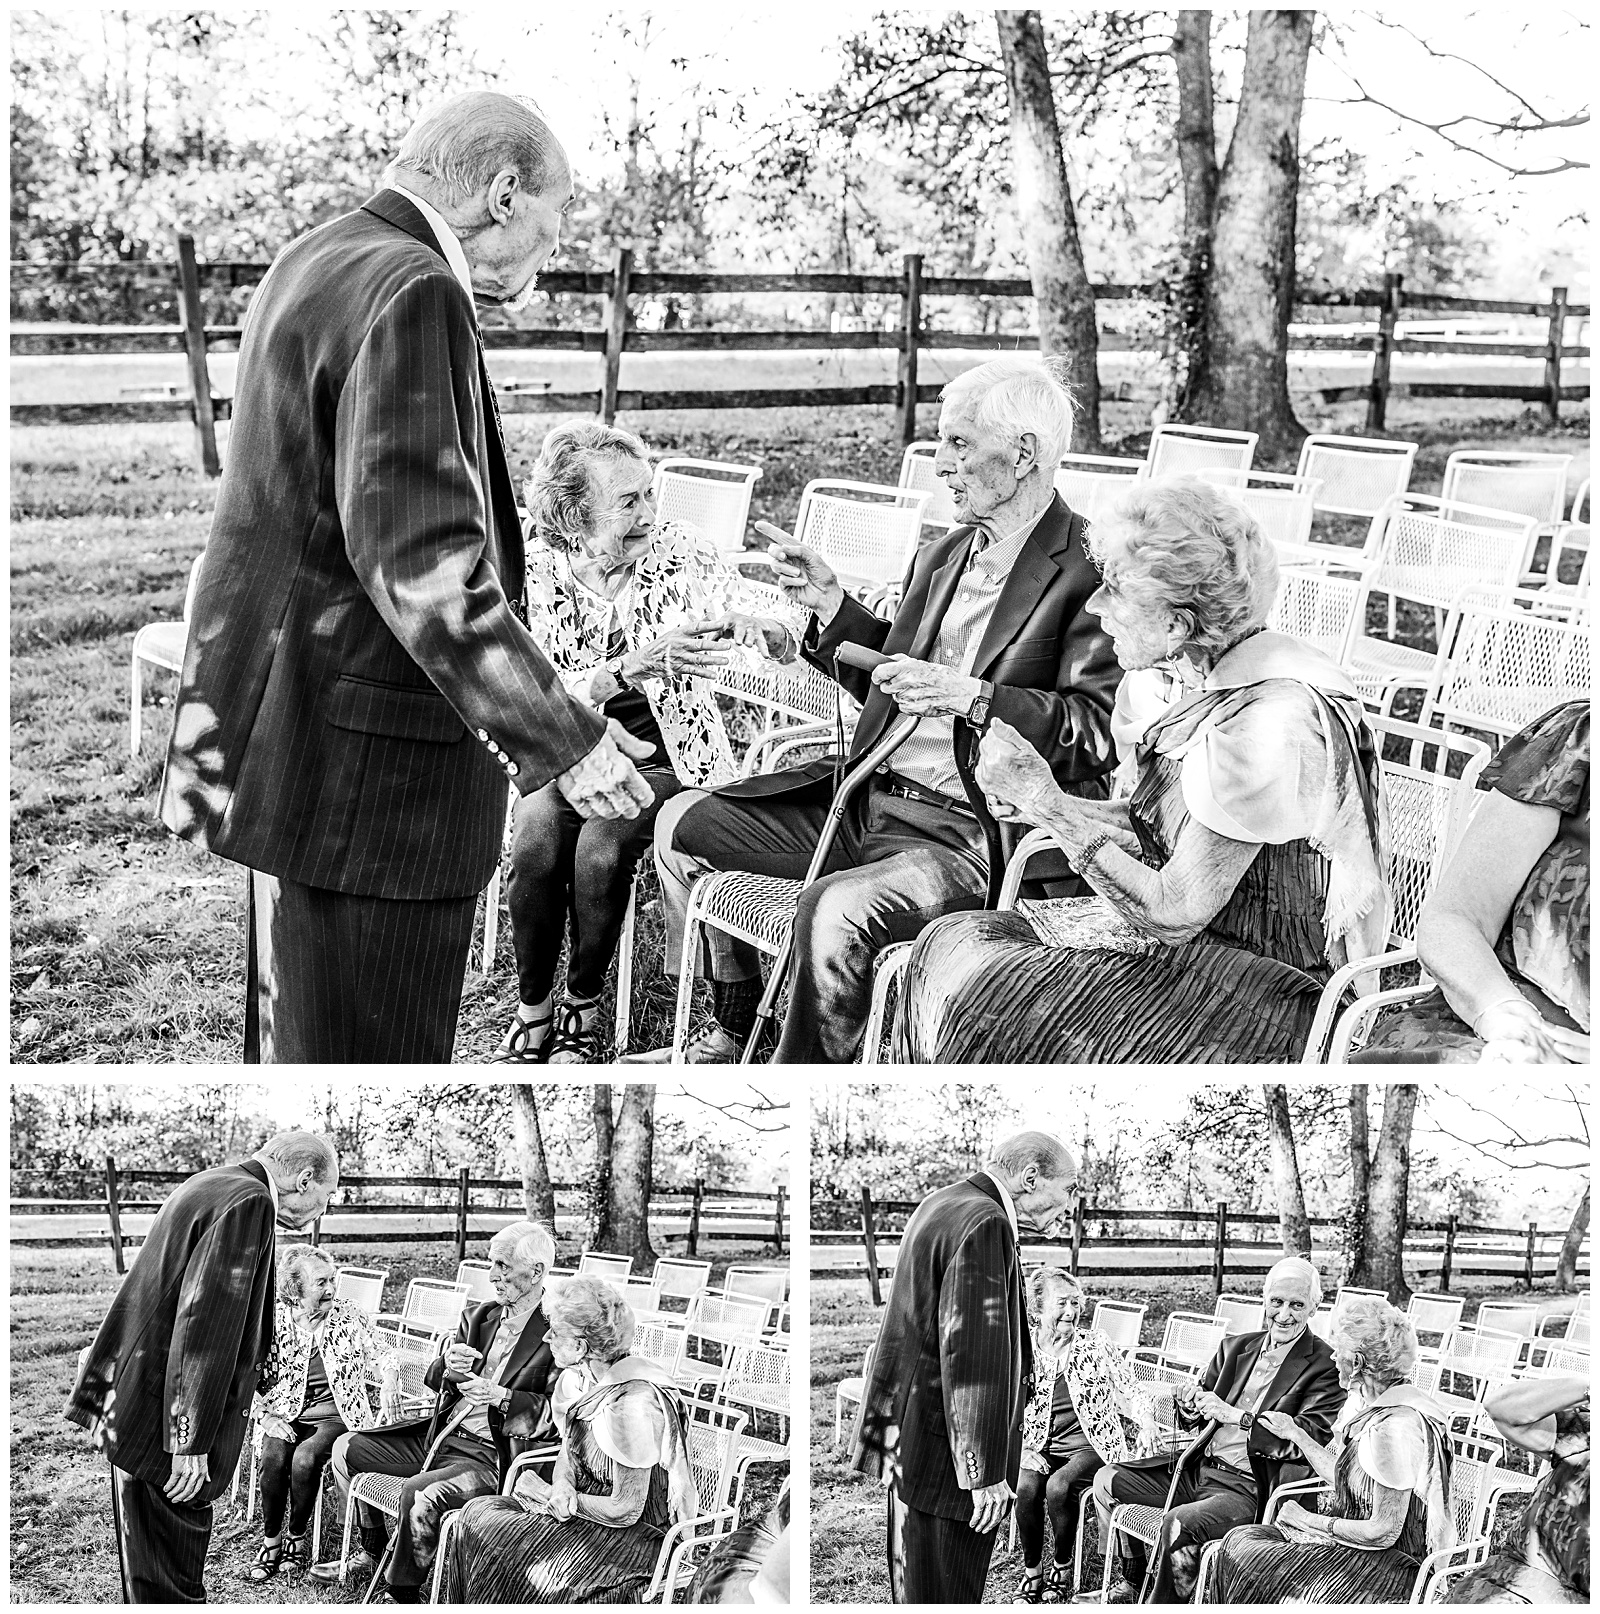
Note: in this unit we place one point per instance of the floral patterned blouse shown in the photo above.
(351, 1359)
(1104, 1393)
(681, 579)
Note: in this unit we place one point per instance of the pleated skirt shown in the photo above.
(1259, 1564)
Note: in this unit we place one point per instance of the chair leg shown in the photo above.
(625, 973)
(491, 922)
(693, 927)
(135, 711)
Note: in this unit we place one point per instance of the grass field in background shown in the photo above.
(127, 945)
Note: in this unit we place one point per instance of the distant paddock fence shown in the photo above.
(909, 335)
(709, 1213)
(1224, 1242)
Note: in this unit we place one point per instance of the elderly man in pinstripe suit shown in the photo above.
(941, 1415)
(358, 686)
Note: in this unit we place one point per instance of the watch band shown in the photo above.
(978, 711)
(614, 667)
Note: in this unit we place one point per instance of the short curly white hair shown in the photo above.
(1378, 1336)
(561, 494)
(592, 1308)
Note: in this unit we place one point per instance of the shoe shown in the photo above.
(269, 1559)
(1057, 1584)
(526, 1043)
(713, 1046)
(1122, 1591)
(571, 1044)
(360, 1562)
(1030, 1589)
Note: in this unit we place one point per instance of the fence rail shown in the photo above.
(909, 335)
(706, 1206)
(869, 1231)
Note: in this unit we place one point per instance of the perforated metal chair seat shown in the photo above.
(752, 1449)
(380, 1491)
(1138, 1521)
(757, 908)
(1375, 663)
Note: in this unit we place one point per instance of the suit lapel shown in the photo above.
(1035, 569)
(941, 590)
(1288, 1370)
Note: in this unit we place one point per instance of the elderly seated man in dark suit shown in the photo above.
(493, 1384)
(1284, 1368)
(992, 624)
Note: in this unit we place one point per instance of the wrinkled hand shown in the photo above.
(1281, 1425)
(1515, 1033)
(682, 653)
(807, 579)
(460, 1359)
(605, 784)
(189, 1476)
(1295, 1517)
(276, 1428)
(481, 1392)
(562, 1503)
(989, 1507)
(1208, 1404)
(919, 687)
(1035, 1461)
(1015, 780)
(761, 633)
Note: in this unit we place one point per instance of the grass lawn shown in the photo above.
(127, 946)
(63, 1549)
(848, 1513)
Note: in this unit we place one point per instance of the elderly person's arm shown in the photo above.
(1463, 917)
(1524, 1410)
(1322, 1458)
(1382, 1529)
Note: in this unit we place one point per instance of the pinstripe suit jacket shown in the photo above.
(357, 689)
(954, 1364)
(183, 1348)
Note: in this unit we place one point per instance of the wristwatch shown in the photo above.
(1246, 1421)
(614, 667)
(978, 711)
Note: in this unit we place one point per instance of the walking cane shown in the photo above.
(1195, 1446)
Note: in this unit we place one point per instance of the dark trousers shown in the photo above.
(569, 869)
(462, 1468)
(1205, 1507)
(935, 1560)
(291, 1472)
(162, 1548)
(333, 979)
(896, 866)
(1060, 1494)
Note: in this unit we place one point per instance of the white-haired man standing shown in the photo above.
(359, 685)
(493, 1385)
(1254, 1381)
(992, 624)
(940, 1423)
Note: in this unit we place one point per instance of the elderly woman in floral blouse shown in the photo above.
(1085, 1401)
(628, 611)
(324, 1372)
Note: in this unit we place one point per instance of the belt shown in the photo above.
(929, 798)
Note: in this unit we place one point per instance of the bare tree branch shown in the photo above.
(745, 1113)
(1541, 121)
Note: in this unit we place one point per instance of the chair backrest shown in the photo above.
(362, 1287)
(1483, 1354)
(1474, 1488)
(1434, 1314)
(1321, 1323)
(1506, 1317)
(1192, 1338)
(1240, 1314)
(764, 1365)
(1091, 482)
(413, 1336)
(1430, 552)
(1428, 810)
(674, 1277)
(865, 531)
(1120, 1321)
(615, 1267)
(1318, 607)
(1560, 1362)
(1578, 1329)
(194, 583)
(661, 1343)
(1358, 475)
(642, 1294)
(767, 1283)
(917, 475)
(1580, 504)
(712, 496)
(732, 1318)
(475, 1274)
(436, 1301)
(1282, 505)
(1347, 1291)
(713, 1446)
(1530, 485)
(1183, 450)
(1504, 667)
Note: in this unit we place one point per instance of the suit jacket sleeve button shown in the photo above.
(483, 734)
(511, 769)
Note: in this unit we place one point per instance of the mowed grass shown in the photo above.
(63, 1547)
(848, 1512)
(127, 945)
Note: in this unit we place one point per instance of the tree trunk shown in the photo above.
(1286, 1173)
(600, 1188)
(538, 1197)
(1250, 290)
(1382, 1264)
(631, 1176)
(1061, 291)
(1197, 158)
(1360, 1176)
(1567, 1266)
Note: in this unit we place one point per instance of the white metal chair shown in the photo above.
(1571, 535)
(1510, 1317)
(1321, 1323)
(476, 1276)
(770, 1284)
(613, 1268)
(1318, 606)
(712, 496)
(1121, 1321)
(1479, 1355)
(431, 1303)
(1184, 450)
(715, 1325)
(849, 1392)
(161, 644)
(1188, 1342)
(1347, 1291)
(362, 1287)
(1283, 507)
(1520, 486)
(714, 1444)
(1433, 1314)
(660, 1342)
(757, 1380)
(1358, 475)
(1243, 1314)
(642, 1294)
(865, 531)
(681, 1279)
(1558, 1361)
(1428, 811)
(917, 475)
(1089, 483)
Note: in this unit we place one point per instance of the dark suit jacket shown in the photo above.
(352, 650)
(954, 1365)
(529, 1376)
(184, 1346)
(1050, 661)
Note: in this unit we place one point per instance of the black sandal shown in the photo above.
(269, 1560)
(1056, 1586)
(297, 1552)
(579, 1046)
(1030, 1589)
(526, 1043)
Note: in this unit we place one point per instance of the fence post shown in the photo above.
(869, 1242)
(114, 1213)
(1552, 353)
(1077, 1231)
(1533, 1243)
(910, 331)
(1383, 352)
(1219, 1250)
(616, 330)
(194, 342)
(1449, 1254)
(777, 1221)
(462, 1198)
(693, 1244)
